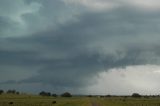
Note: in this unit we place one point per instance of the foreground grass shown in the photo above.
(119, 101)
(27, 100)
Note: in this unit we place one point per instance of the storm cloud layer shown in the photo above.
(62, 45)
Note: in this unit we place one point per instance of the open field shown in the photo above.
(26, 100)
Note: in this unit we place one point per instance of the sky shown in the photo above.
(80, 46)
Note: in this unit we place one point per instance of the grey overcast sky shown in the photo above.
(80, 46)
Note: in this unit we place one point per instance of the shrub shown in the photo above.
(136, 95)
(108, 96)
(54, 95)
(17, 93)
(66, 94)
(10, 103)
(1, 91)
(54, 102)
(89, 96)
(11, 91)
(43, 93)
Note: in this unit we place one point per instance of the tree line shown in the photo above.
(9, 92)
(42, 93)
(66, 94)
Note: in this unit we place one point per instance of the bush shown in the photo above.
(43, 93)
(66, 94)
(108, 96)
(17, 93)
(54, 102)
(11, 91)
(1, 91)
(54, 95)
(136, 95)
(89, 96)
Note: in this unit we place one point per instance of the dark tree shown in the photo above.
(66, 94)
(11, 91)
(48, 94)
(17, 93)
(54, 95)
(89, 96)
(136, 95)
(1, 91)
(43, 93)
(108, 96)
(54, 102)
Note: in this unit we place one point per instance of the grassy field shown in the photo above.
(26, 100)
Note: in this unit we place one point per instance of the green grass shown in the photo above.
(129, 102)
(28, 100)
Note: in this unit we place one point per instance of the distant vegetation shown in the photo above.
(1, 91)
(9, 92)
(12, 92)
(136, 95)
(10, 98)
(43, 93)
(44, 98)
(66, 94)
(54, 95)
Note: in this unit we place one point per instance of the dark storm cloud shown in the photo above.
(69, 53)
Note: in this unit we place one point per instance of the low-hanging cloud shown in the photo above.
(65, 49)
(149, 5)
